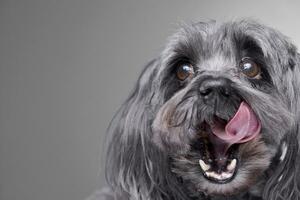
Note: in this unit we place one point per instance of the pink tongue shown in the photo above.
(243, 127)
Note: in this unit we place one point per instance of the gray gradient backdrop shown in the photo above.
(66, 66)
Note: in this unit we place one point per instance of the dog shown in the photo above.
(215, 116)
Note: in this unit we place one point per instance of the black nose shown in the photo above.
(212, 88)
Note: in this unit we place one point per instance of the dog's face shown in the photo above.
(217, 113)
(222, 104)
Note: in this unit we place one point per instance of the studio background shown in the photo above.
(65, 68)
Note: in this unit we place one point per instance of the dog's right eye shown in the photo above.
(250, 68)
(184, 71)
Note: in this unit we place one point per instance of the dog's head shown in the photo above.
(214, 110)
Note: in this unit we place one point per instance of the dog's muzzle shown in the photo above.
(242, 126)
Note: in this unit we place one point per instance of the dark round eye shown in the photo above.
(250, 68)
(184, 71)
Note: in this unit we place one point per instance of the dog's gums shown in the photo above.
(214, 117)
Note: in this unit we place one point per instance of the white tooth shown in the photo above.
(203, 165)
(208, 174)
(226, 175)
(232, 165)
(217, 176)
(211, 174)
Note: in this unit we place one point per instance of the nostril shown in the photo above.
(205, 91)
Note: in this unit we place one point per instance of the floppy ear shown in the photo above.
(135, 167)
(284, 182)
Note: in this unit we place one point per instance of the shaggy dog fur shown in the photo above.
(160, 133)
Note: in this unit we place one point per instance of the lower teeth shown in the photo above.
(219, 176)
(222, 176)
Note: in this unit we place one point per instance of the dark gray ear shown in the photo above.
(284, 182)
(135, 167)
(126, 160)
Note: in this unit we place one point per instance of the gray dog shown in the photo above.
(215, 116)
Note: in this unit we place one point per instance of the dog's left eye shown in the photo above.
(184, 71)
(250, 68)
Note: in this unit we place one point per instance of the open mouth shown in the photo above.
(218, 162)
(219, 141)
